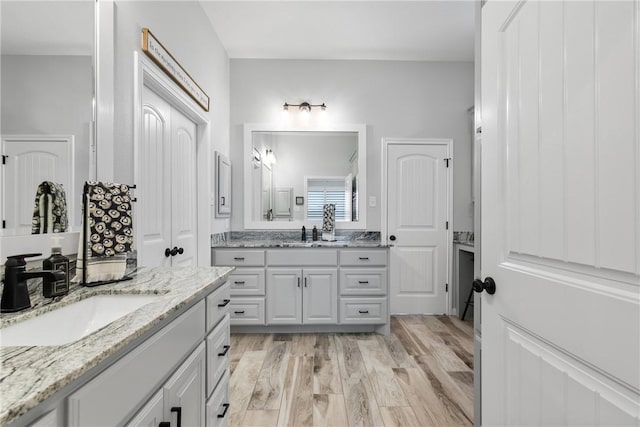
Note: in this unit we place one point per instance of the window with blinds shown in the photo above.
(322, 191)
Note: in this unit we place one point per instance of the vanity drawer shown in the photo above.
(247, 281)
(218, 305)
(218, 347)
(239, 257)
(218, 410)
(363, 310)
(247, 311)
(302, 257)
(363, 281)
(358, 257)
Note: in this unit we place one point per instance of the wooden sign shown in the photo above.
(161, 56)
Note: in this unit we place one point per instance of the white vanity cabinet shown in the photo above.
(302, 296)
(327, 288)
(186, 352)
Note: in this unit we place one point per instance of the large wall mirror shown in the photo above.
(47, 99)
(289, 174)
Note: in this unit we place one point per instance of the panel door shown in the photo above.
(153, 209)
(184, 220)
(284, 296)
(151, 414)
(320, 296)
(184, 393)
(283, 200)
(561, 213)
(417, 206)
(223, 186)
(30, 161)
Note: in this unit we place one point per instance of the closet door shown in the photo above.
(152, 220)
(183, 190)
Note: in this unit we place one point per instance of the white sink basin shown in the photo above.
(72, 322)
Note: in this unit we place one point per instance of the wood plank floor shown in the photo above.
(420, 375)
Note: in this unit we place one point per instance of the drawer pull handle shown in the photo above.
(363, 282)
(164, 424)
(305, 282)
(239, 312)
(225, 303)
(298, 282)
(224, 413)
(226, 350)
(239, 282)
(363, 311)
(239, 258)
(363, 258)
(178, 410)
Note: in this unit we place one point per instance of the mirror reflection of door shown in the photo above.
(267, 186)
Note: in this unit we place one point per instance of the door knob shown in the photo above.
(167, 252)
(174, 251)
(392, 237)
(180, 251)
(488, 285)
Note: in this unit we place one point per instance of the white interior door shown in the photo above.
(561, 213)
(184, 217)
(166, 211)
(153, 208)
(417, 215)
(30, 161)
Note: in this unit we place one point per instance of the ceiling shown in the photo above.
(434, 30)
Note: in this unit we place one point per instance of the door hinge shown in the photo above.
(4, 159)
(447, 160)
(446, 287)
(446, 225)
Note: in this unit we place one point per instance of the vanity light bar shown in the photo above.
(305, 106)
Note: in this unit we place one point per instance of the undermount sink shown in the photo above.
(72, 322)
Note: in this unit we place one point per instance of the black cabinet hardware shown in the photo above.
(239, 258)
(167, 252)
(225, 303)
(224, 413)
(305, 282)
(222, 200)
(225, 351)
(239, 282)
(178, 410)
(364, 258)
(363, 282)
(239, 312)
(363, 311)
(392, 238)
(164, 424)
(298, 282)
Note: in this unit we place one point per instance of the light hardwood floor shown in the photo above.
(420, 375)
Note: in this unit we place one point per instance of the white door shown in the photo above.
(417, 215)
(30, 161)
(166, 209)
(320, 296)
(184, 393)
(284, 305)
(224, 185)
(561, 213)
(184, 217)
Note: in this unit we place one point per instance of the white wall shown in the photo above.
(394, 99)
(184, 30)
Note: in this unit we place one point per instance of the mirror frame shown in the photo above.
(251, 224)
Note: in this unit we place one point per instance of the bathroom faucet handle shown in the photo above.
(18, 260)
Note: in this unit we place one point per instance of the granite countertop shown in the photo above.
(293, 244)
(29, 375)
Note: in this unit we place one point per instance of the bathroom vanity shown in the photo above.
(166, 361)
(307, 287)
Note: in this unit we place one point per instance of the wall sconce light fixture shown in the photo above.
(304, 107)
(270, 157)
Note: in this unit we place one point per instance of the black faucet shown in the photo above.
(15, 294)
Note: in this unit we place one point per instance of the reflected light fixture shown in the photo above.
(271, 158)
(304, 107)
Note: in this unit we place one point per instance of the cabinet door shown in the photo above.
(184, 393)
(223, 185)
(284, 296)
(320, 295)
(151, 414)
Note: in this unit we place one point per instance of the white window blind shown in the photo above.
(328, 191)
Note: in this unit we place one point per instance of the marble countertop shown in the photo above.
(293, 244)
(29, 375)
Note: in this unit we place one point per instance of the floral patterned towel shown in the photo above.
(109, 219)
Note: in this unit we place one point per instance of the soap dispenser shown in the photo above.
(304, 234)
(53, 288)
(314, 233)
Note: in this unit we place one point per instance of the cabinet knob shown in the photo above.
(167, 252)
(392, 238)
